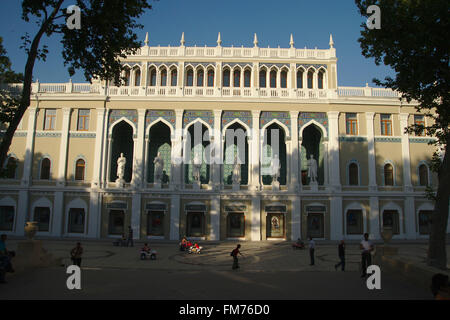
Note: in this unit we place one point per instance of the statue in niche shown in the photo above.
(121, 167)
(236, 171)
(197, 163)
(312, 169)
(276, 167)
(159, 165)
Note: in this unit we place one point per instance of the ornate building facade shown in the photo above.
(370, 174)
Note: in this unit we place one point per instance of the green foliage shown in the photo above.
(8, 99)
(106, 35)
(414, 41)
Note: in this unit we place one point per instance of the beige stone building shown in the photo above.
(368, 173)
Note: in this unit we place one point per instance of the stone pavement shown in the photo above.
(269, 270)
(258, 256)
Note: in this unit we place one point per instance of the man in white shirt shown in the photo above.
(366, 259)
(312, 246)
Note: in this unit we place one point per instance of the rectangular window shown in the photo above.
(386, 125)
(50, 119)
(354, 222)
(6, 218)
(116, 222)
(391, 220)
(425, 221)
(351, 123)
(236, 224)
(419, 120)
(42, 217)
(76, 220)
(83, 119)
(155, 223)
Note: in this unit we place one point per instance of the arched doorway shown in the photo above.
(122, 142)
(312, 144)
(237, 147)
(159, 141)
(197, 147)
(274, 145)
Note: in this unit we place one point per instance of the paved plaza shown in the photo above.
(269, 270)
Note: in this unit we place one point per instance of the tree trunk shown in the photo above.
(437, 254)
(26, 91)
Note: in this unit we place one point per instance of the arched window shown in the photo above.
(45, 169)
(137, 77)
(79, 169)
(388, 175)
(353, 178)
(189, 78)
(262, 78)
(152, 77)
(11, 166)
(236, 78)
(200, 77)
(310, 79)
(423, 175)
(163, 77)
(300, 79)
(210, 78)
(173, 77)
(273, 79)
(127, 75)
(283, 79)
(247, 78)
(320, 80)
(226, 78)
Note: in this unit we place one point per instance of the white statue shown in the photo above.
(197, 163)
(312, 169)
(276, 167)
(159, 165)
(236, 172)
(121, 167)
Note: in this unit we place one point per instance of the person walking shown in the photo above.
(234, 254)
(130, 237)
(76, 254)
(366, 258)
(312, 247)
(341, 253)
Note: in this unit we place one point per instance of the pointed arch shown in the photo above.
(317, 124)
(282, 125)
(111, 127)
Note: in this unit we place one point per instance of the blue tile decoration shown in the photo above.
(422, 140)
(244, 116)
(207, 116)
(131, 115)
(306, 66)
(352, 139)
(388, 139)
(152, 115)
(283, 116)
(305, 117)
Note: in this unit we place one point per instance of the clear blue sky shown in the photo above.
(310, 22)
